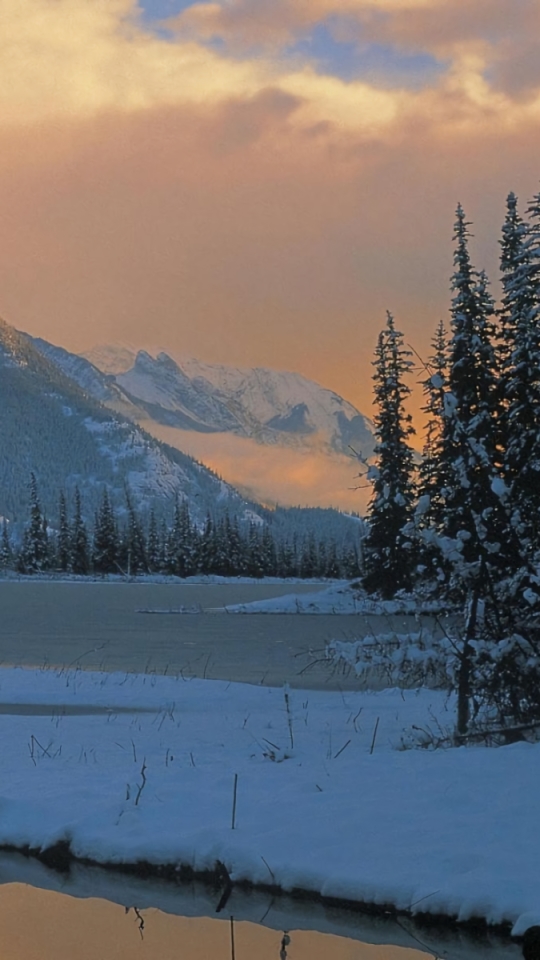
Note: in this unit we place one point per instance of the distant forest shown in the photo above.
(120, 542)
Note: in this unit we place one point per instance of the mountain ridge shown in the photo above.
(52, 426)
(269, 406)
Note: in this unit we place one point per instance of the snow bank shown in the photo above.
(340, 598)
(320, 806)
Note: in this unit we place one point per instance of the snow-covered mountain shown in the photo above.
(55, 424)
(274, 435)
(269, 406)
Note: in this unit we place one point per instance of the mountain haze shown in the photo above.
(277, 436)
(269, 406)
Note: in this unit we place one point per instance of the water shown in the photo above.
(93, 914)
(98, 626)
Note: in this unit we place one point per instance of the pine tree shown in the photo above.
(106, 546)
(63, 541)
(234, 542)
(134, 546)
(520, 377)
(268, 552)
(79, 539)
(333, 568)
(309, 560)
(433, 471)
(207, 560)
(182, 547)
(388, 545)
(153, 544)
(34, 553)
(472, 513)
(6, 551)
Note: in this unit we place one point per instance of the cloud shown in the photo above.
(273, 474)
(251, 209)
(245, 23)
(81, 57)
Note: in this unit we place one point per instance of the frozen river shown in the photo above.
(101, 626)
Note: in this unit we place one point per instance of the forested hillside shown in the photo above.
(49, 426)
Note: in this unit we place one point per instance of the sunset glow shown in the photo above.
(256, 183)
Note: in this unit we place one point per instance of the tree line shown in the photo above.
(464, 523)
(120, 542)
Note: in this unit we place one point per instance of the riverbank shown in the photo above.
(298, 790)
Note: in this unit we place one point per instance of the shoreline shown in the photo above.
(60, 859)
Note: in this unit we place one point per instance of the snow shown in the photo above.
(319, 806)
(255, 402)
(340, 598)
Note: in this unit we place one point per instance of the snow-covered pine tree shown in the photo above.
(520, 375)
(80, 563)
(153, 545)
(333, 568)
(63, 539)
(105, 549)
(206, 557)
(433, 471)
(235, 559)
(181, 543)
(133, 548)
(268, 552)
(34, 553)
(388, 547)
(472, 513)
(6, 551)
(255, 562)
(309, 558)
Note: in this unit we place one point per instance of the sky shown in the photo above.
(255, 182)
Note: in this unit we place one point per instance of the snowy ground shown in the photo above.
(340, 598)
(201, 578)
(320, 805)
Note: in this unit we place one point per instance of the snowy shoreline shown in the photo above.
(329, 801)
(61, 859)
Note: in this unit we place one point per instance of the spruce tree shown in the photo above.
(472, 513)
(63, 540)
(79, 539)
(255, 566)
(34, 553)
(206, 563)
(105, 551)
(153, 544)
(134, 546)
(520, 377)
(388, 545)
(6, 551)
(433, 474)
(181, 542)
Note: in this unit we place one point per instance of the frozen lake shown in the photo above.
(101, 626)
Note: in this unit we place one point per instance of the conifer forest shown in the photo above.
(462, 523)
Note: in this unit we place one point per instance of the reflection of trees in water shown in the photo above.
(139, 917)
(285, 941)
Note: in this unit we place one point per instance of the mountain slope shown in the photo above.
(270, 406)
(49, 425)
(275, 435)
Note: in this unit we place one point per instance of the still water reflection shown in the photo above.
(40, 925)
(93, 915)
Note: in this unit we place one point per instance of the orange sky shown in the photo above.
(214, 187)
